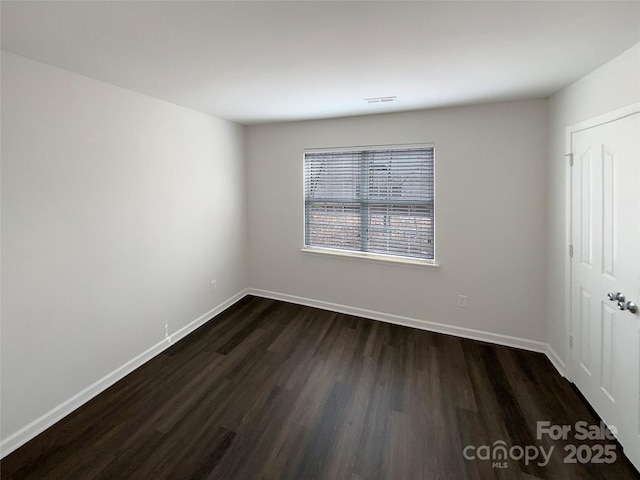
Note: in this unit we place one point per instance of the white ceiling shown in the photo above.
(255, 62)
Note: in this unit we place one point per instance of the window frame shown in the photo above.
(362, 255)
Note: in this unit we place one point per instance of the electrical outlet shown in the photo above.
(462, 301)
(213, 286)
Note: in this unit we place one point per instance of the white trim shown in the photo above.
(39, 425)
(556, 361)
(374, 257)
(198, 322)
(366, 148)
(608, 117)
(495, 338)
(567, 260)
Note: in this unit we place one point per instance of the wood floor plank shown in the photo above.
(275, 391)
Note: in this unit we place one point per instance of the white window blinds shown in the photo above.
(371, 200)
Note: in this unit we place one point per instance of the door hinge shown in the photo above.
(571, 251)
(570, 341)
(570, 155)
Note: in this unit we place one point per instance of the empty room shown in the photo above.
(340, 240)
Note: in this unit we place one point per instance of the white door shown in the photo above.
(605, 233)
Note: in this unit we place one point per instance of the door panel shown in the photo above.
(586, 212)
(605, 229)
(585, 327)
(608, 213)
(607, 350)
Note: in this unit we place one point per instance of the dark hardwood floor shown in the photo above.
(272, 390)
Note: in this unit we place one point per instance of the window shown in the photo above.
(376, 200)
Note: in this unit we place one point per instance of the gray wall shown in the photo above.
(614, 85)
(490, 217)
(117, 211)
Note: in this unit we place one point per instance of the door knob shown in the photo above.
(616, 297)
(632, 307)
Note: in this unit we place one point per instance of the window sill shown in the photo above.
(372, 257)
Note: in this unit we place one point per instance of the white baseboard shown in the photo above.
(496, 338)
(187, 329)
(556, 361)
(40, 424)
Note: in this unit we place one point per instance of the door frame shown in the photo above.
(608, 117)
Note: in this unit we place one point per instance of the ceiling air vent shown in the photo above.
(380, 99)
